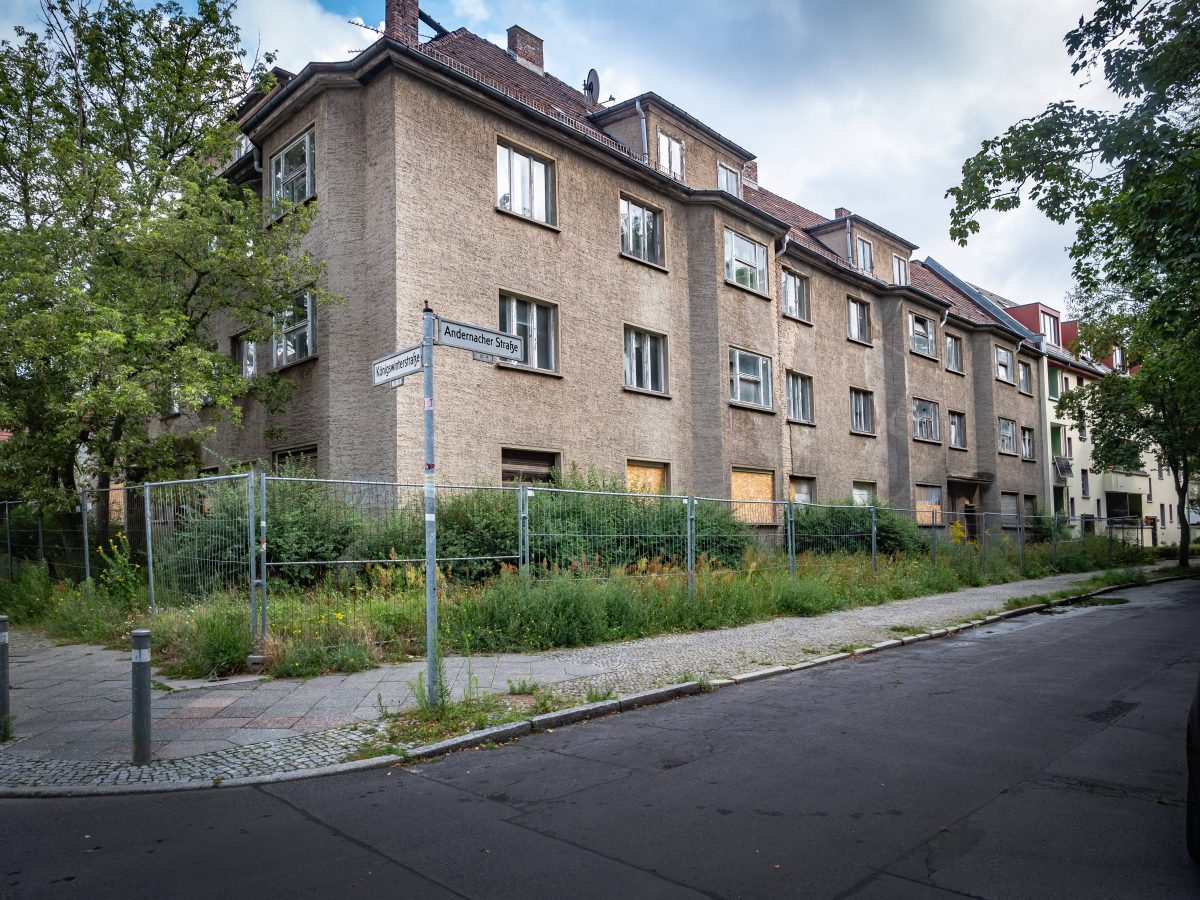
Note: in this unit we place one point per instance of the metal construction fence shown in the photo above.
(321, 555)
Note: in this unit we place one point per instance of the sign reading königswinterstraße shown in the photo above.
(396, 365)
(484, 340)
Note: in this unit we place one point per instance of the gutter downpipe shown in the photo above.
(257, 159)
(850, 246)
(637, 104)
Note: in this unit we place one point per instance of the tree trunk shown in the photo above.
(1182, 481)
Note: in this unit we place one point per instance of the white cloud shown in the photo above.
(472, 11)
(302, 31)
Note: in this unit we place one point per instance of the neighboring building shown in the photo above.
(684, 325)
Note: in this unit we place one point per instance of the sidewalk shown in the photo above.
(72, 703)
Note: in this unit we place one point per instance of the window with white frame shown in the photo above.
(745, 262)
(524, 184)
(926, 420)
(245, 354)
(1050, 329)
(749, 378)
(858, 327)
(899, 269)
(795, 295)
(1006, 437)
(670, 155)
(958, 430)
(865, 258)
(862, 411)
(1004, 364)
(293, 172)
(799, 397)
(922, 335)
(295, 338)
(954, 353)
(645, 360)
(1025, 378)
(803, 489)
(863, 493)
(1118, 358)
(729, 180)
(1027, 444)
(537, 324)
(641, 231)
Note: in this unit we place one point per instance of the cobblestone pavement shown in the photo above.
(72, 719)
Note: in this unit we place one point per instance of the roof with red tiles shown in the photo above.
(499, 65)
(796, 216)
(924, 278)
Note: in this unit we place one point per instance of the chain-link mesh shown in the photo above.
(741, 534)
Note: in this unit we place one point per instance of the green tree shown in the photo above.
(122, 248)
(1154, 408)
(1129, 181)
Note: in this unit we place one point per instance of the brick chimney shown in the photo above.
(401, 20)
(750, 172)
(841, 213)
(526, 47)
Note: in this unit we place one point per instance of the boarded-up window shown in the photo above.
(928, 500)
(1008, 509)
(526, 465)
(646, 477)
(753, 493)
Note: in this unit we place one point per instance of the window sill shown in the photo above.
(792, 318)
(749, 290)
(529, 219)
(928, 441)
(1006, 453)
(916, 352)
(858, 341)
(637, 390)
(1006, 381)
(645, 262)
(958, 372)
(806, 424)
(296, 363)
(960, 449)
(869, 434)
(1028, 459)
(277, 215)
(751, 407)
(529, 370)
(1026, 393)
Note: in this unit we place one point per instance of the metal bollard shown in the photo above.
(5, 720)
(141, 696)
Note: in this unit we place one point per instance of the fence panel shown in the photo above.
(597, 535)
(200, 538)
(741, 534)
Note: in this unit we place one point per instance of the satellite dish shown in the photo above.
(591, 87)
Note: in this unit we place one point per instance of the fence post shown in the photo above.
(8, 541)
(523, 495)
(141, 696)
(874, 522)
(1021, 540)
(1054, 543)
(5, 709)
(1110, 539)
(691, 547)
(791, 539)
(149, 542)
(87, 555)
(250, 545)
(982, 538)
(937, 515)
(42, 537)
(262, 553)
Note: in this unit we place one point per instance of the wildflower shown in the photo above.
(340, 616)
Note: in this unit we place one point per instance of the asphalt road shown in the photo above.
(1043, 757)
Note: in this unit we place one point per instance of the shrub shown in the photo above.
(844, 527)
(29, 597)
(216, 643)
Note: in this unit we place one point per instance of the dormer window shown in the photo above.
(729, 180)
(1050, 329)
(865, 258)
(1118, 359)
(670, 155)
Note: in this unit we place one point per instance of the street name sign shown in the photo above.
(483, 340)
(396, 366)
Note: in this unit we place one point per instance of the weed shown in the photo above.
(1022, 602)
(522, 688)
(908, 630)
(706, 685)
(597, 694)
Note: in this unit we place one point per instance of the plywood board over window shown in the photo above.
(751, 492)
(646, 477)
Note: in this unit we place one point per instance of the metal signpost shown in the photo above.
(486, 345)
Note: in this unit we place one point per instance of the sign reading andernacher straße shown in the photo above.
(483, 340)
(396, 365)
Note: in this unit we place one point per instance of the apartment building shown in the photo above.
(684, 325)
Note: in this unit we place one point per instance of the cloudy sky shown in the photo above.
(872, 104)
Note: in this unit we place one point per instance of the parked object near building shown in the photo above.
(682, 323)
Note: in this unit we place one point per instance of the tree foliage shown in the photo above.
(121, 245)
(1129, 181)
